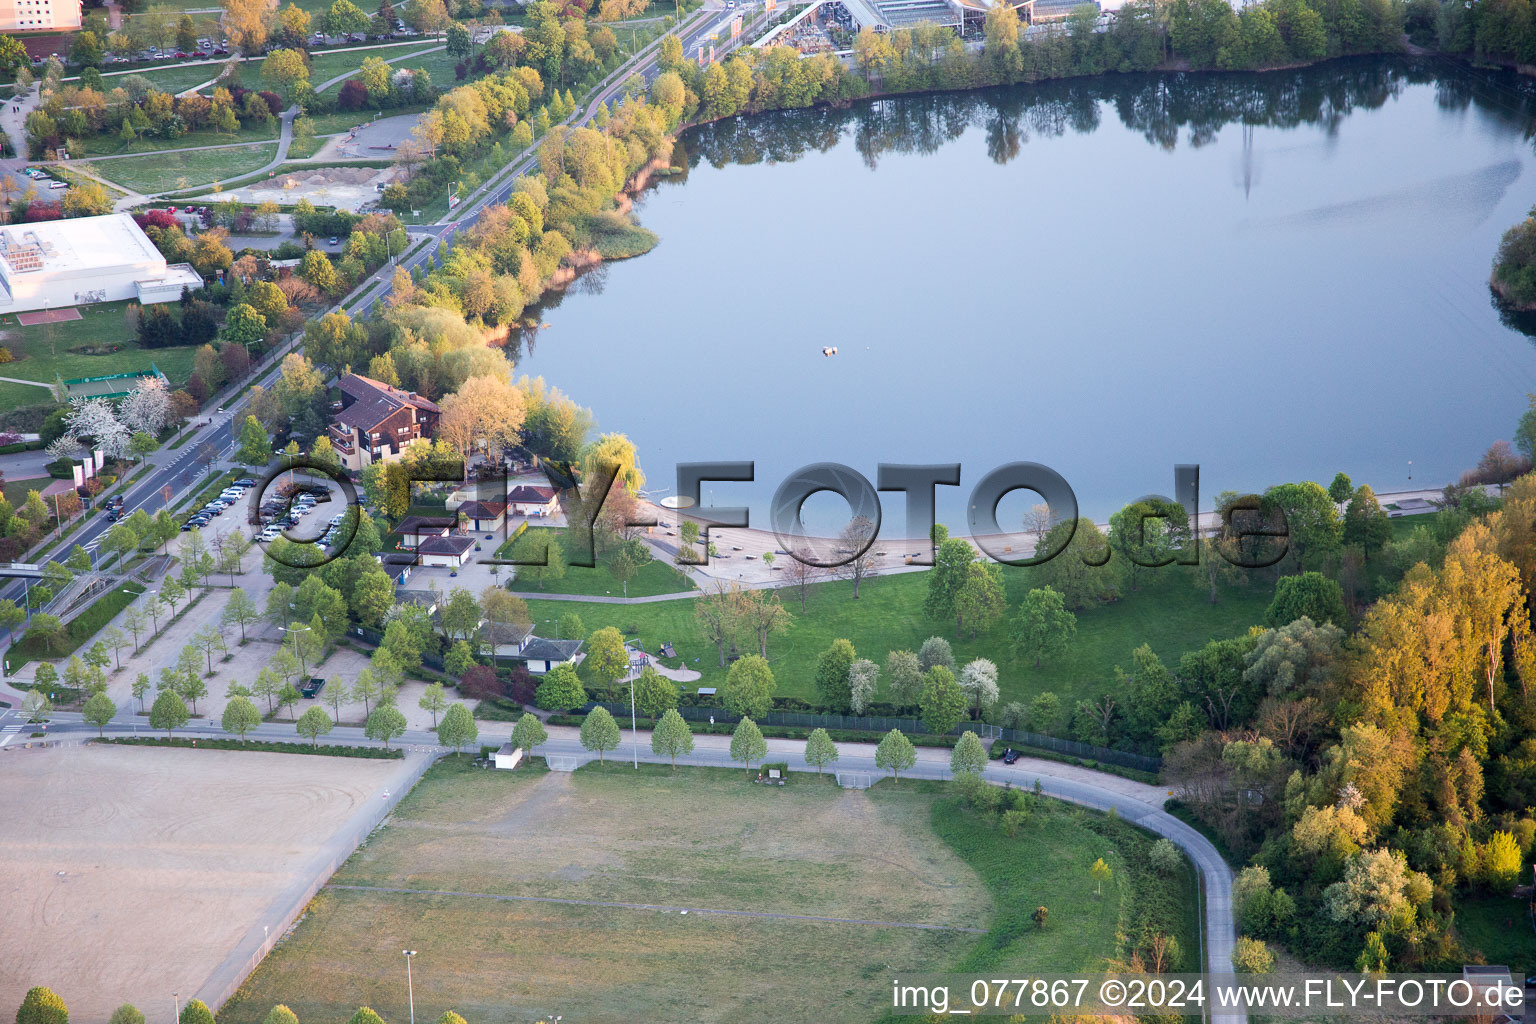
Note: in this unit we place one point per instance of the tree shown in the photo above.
(240, 716)
(1342, 489)
(459, 45)
(820, 751)
(282, 72)
(607, 657)
(561, 690)
(905, 673)
(366, 690)
(979, 681)
(599, 732)
(385, 723)
(1039, 917)
(863, 678)
(935, 651)
(942, 700)
(969, 756)
(1525, 432)
(832, 670)
(433, 700)
(240, 611)
(654, 693)
(747, 743)
(749, 687)
(314, 723)
(42, 1006)
(130, 1014)
(289, 697)
(457, 727)
(1312, 519)
(1078, 571)
(208, 639)
(529, 732)
(344, 19)
(718, 613)
(114, 640)
(1164, 857)
(196, 1012)
(671, 737)
(36, 705)
(1311, 595)
(1250, 955)
(141, 686)
(1366, 523)
(895, 754)
(48, 630)
(169, 712)
(98, 710)
(1100, 873)
(1043, 626)
(855, 548)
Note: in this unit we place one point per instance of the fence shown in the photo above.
(878, 723)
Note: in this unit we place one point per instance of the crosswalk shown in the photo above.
(8, 732)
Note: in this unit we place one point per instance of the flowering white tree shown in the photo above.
(94, 418)
(147, 407)
(863, 676)
(65, 446)
(979, 681)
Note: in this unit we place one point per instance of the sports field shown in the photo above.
(130, 873)
(530, 895)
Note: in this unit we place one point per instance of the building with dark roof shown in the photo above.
(377, 422)
(448, 552)
(542, 654)
(415, 529)
(483, 516)
(527, 500)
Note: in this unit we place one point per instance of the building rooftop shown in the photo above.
(411, 525)
(445, 545)
(373, 401)
(482, 509)
(77, 245)
(531, 495)
(540, 649)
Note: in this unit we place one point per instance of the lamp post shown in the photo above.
(176, 1003)
(410, 990)
(634, 730)
(296, 630)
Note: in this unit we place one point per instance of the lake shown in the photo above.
(1275, 276)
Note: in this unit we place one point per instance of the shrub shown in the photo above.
(42, 1006)
(1251, 956)
(1165, 857)
(5, 354)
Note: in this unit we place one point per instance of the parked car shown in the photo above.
(1010, 755)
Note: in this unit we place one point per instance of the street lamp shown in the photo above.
(634, 730)
(176, 1002)
(296, 630)
(410, 990)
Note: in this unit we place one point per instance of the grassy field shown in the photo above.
(16, 490)
(47, 352)
(163, 172)
(439, 65)
(1500, 929)
(702, 839)
(109, 144)
(1170, 613)
(657, 577)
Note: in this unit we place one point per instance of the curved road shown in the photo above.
(1137, 802)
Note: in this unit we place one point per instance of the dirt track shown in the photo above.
(127, 874)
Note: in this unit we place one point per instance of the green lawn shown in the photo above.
(108, 143)
(711, 840)
(1500, 928)
(439, 65)
(1171, 613)
(656, 577)
(16, 490)
(163, 172)
(176, 77)
(44, 353)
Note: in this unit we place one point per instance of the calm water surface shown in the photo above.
(1277, 277)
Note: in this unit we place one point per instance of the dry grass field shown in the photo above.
(531, 895)
(129, 873)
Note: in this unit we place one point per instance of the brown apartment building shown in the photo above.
(377, 422)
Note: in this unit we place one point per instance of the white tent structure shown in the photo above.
(56, 263)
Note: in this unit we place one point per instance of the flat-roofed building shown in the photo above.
(56, 263)
(39, 15)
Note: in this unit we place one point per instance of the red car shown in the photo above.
(199, 53)
(221, 53)
(179, 55)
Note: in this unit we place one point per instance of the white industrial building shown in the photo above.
(57, 263)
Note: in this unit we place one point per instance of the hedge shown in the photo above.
(263, 746)
(778, 732)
